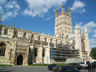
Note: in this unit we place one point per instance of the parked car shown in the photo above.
(52, 67)
(77, 65)
(94, 64)
(83, 65)
(66, 69)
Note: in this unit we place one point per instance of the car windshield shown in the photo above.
(81, 62)
(53, 65)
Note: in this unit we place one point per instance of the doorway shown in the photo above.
(20, 60)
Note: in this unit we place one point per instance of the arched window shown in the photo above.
(5, 31)
(51, 40)
(45, 39)
(39, 38)
(24, 35)
(32, 37)
(2, 49)
(56, 41)
(35, 52)
(43, 52)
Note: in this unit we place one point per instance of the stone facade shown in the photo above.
(21, 47)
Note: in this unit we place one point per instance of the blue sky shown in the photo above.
(39, 15)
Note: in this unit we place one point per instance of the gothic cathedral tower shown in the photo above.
(63, 23)
(87, 46)
(78, 40)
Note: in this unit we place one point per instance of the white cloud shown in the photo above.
(91, 26)
(1, 8)
(48, 18)
(39, 7)
(78, 6)
(12, 4)
(92, 43)
(94, 31)
(94, 35)
(12, 9)
(2, 1)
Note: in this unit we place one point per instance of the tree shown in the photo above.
(93, 53)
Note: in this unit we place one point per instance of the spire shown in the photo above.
(0, 19)
(69, 11)
(14, 25)
(86, 29)
(56, 10)
(77, 25)
(86, 33)
(62, 8)
(56, 14)
(1, 16)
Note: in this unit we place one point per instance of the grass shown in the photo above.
(5, 65)
(41, 64)
(59, 64)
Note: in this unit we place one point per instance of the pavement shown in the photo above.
(27, 69)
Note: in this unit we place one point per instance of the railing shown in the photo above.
(92, 69)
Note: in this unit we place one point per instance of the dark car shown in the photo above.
(94, 64)
(66, 69)
(77, 65)
(52, 67)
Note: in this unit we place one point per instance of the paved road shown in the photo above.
(27, 69)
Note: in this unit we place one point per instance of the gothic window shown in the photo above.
(2, 49)
(56, 41)
(24, 35)
(51, 40)
(32, 37)
(35, 52)
(39, 38)
(15, 34)
(45, 39)
(5, 31)
(66, 36)
(43, 52)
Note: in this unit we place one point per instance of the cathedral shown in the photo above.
(21, 47)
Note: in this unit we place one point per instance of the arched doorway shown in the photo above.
(20, 60)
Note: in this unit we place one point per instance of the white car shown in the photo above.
(83, 65)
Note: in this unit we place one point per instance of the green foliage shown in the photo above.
(93, 53)
(41, 64)
(5, 65)
(58, 64)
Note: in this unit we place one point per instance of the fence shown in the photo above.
(92, 69)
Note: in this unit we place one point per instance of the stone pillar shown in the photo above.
(47, 55)
(39, 55)
(2, 31)
(25, 61)
(13, 53)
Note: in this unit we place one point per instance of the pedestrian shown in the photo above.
(33, 64)
(89, 66)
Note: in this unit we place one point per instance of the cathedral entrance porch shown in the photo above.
(20, 60)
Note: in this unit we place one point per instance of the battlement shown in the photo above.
(11, 32)
(63, 12)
